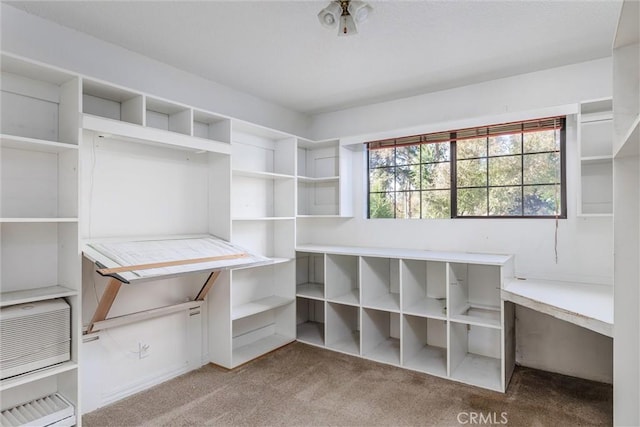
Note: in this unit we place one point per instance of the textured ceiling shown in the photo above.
(278, 51)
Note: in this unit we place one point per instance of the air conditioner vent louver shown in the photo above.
(52, 410)
(34, 336)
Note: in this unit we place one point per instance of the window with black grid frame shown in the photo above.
(506, 170)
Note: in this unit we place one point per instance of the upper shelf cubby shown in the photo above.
(211, 126)
(37, 102)
(112, 102)
(168, 116)
(262, 151)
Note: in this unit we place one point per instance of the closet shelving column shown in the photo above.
(626, 200)
(263, 194)
(39, 257)
(595, 130)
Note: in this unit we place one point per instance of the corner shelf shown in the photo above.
(259, 306)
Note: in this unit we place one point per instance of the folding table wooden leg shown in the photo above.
(207, 285)
(106, 301)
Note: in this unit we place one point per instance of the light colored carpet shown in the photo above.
(301, 385)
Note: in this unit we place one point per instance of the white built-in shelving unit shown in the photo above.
(323, 179)
(39, 255)
(595, 142)
(261, 300)
(626, 208)
(434, 312)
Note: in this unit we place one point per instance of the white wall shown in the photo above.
(41, 40)
(585, 245)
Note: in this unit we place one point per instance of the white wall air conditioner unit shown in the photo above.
(34, 335)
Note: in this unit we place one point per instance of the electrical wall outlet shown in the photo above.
(143, 350)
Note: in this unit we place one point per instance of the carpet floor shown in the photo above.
(301, 385)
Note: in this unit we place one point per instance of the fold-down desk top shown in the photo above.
(134, 261)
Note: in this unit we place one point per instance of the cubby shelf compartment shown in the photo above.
(343, 328)
(310, 275)
(310, 321)
(254, 196)
(474, 294)
(380, 283)
(474, 355)
(424, 288)
(211, 126)
(269, 238)
(424, 345)
(165, 115)
(37, 294)
(112, 102)
(381, 336)
(247, 352)
(342, 279)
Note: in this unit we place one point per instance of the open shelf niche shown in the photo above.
(595, 136)
(424, 344)
(343, 328)
(310, 321)
(310, 275)
(381, 336)
(342, 281)
(424, 288)
(474, 294)
(380, 283)
(474, 355)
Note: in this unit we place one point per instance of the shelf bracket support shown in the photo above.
(207, 285)
(106, 301)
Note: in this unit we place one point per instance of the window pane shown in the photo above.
(408, 178)
(472, 173)
(505, 170)
(436, 175)
(472, 202)
(408, 204)
(542, 168)
(542, 200)
(436, 204)
(505, 144)
(381, 179)
(505, 201)
(382, 157)
(535, 142)
(470, 148)
(409, 155)
(381, 205)
(435, 152)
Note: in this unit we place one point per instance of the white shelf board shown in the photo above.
(386, 302)
(428, 307)
(37, 294)
(33, 144)
(630, 145)
(388, 351)
(257, 348)
(39, 374)
(350, 345)
(311, 333)
(584, 304)
(37, 220)
(323, 216)
(430, 359)
(264, 218)
(595, 215)
(489, 318)
(152, 136)
(457, 257)
(349, 298)
(310, 290)
(259, 306)
(311, 179)
(590, 160)
(480, 371)
(260, 174)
